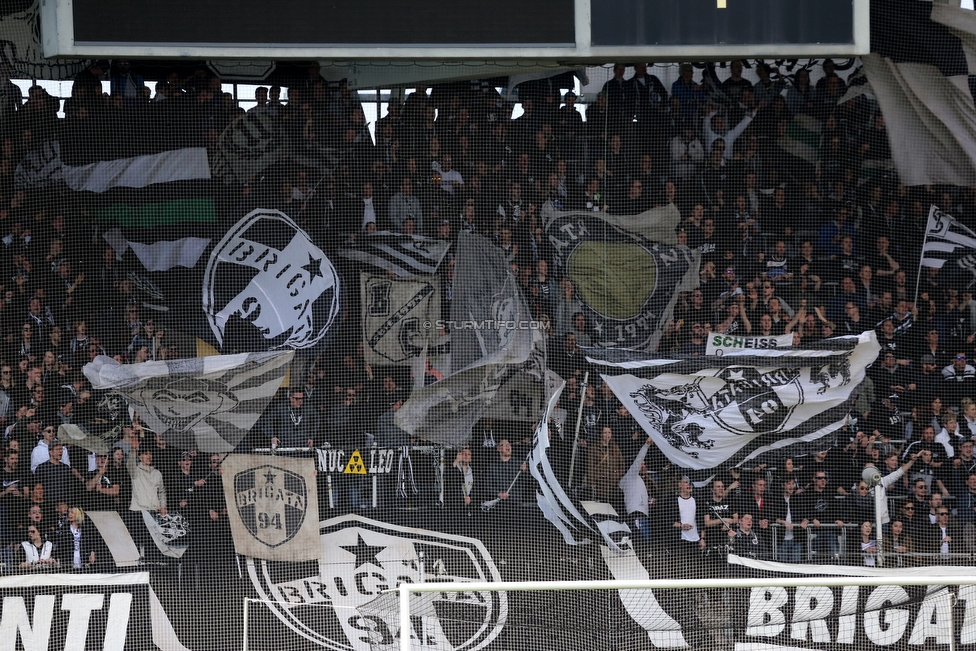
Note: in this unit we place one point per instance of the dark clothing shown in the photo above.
(59, 483)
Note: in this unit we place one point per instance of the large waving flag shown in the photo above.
(403, 255)
(209, 403)
(251, 284)
(627, 271)
(169, 187)
(919, 74)
(712, 412)
(493, 341)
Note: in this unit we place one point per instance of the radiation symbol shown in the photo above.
(355, 465)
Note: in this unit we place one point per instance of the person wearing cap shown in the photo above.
(959, 378)
(929, 383)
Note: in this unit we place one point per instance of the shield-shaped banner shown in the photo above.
(275, 506)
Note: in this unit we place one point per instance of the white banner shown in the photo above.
(706, 412)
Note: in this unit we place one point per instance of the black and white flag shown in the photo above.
(445, 412)
(399, 316)
(492, 341)
(951, 247)
(248, 146)
(627, 272)
(919, 72)
(403, 255)
(713, 412)
(209, 403)
(491, 321)
(578, 521)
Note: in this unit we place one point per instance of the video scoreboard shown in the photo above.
(566, 30)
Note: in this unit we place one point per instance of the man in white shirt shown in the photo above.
(687, 523)
(450, 177)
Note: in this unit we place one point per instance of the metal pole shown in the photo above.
(579, 420)
(441, 479)
(877, 523)
(246, 600)
(404, 616)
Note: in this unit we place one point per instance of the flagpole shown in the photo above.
(918, 275)
(579, 419)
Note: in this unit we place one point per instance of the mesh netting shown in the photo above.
(291, 345)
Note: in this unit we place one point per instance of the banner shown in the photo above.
(819, 615)
(248, 146)
(207, 403)
(706, 413)
(90, 611)
(629, 307)
(21, 48)
(719, 344)
(403, 255)
(399, 316)
(273, 507)
(919, 72)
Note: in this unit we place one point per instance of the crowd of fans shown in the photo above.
(813, 241)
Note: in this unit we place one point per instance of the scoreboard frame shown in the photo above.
(58, 39)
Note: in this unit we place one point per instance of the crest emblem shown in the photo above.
(363, 558)
(272, 503)
(268, 286)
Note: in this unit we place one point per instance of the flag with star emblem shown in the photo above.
(272, 505)
(710, 412)
(627, 272)
(251, 284)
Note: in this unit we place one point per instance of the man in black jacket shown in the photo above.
(821, 507)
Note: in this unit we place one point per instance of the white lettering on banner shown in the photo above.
(884, 622)
(813, 605)
(330, 460)
(719, 344)
(80, 606)
(967, 595)
(14, 621)
(36, 635)
(381, 460)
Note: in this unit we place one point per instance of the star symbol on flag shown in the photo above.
(314, 268)
(269, 477)
(364, 553)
